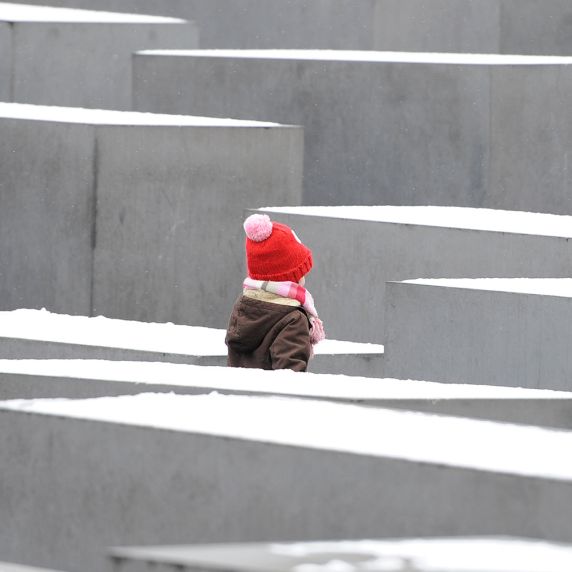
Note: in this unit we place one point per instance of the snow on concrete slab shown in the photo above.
(344, 347)
(416, 437)
(281, 382)
(370, 56)
(442, 554)
(9, 567)
(143, 336)
(462, 554)
(559, 287)
(113, 117)
(493, 220)
(11, 12)
(107, 332)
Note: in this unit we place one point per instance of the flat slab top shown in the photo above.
(559, 287)
(11, 12)
(514, 222)
(142, 336)
(369, 56)
(282, 382)
(322, 425)
(84, 116)
(461, 554)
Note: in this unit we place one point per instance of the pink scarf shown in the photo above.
(295, 292)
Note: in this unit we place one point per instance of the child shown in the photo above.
(274, 324)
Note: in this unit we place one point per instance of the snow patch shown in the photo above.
(456, 554)
(111, 117)
(493, 220)
(369, 56)
(10, 12)
(129, 335)
(281, 382)
(559, 287)
(441, 554)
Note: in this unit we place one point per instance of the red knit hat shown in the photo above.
(273, 251)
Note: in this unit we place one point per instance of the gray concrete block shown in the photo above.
(499, 332)
(46, 219)
(170, 245)
(526, 121)
(474, 26)
(260, 23)
(459, 554)
(119, 214)
(356, 250)
(471, 26)
(150, 470)
(389, 128)
(77, 379)
(360, 118)
(81, 57)
(284, 23)
(33, 334)
(528, 27)
(6, 61)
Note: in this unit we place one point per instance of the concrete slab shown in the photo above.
(210, 475)
(474, 26)
(509, 332)
(488, 554)
(260, 23)
(6, 61)
(357, 249)
(541, 136)
(76, 379)
(80, 57)
(531, 28)
(100, 209)
(386, 127)
(47, 214)
(38, 334)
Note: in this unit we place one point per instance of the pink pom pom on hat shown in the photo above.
(273, 251)
(258, 227)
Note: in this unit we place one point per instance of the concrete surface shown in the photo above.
(37, 334)
(474, 26)
(119, 214)
(46, 219)
(100, 481)
(390, 128)
(260, 23)
(354, 258)
(82, 59)
(170, 246)
(478, 331)
(528, 27)
(77, 379)
(444, 554)
(5, 61)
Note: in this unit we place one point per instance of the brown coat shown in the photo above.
(266, 335)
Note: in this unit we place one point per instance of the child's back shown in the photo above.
(274, 323)
(268, 335)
